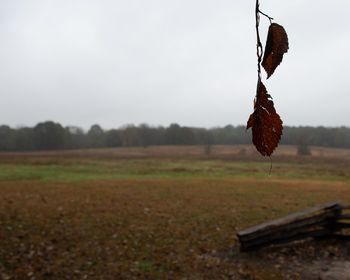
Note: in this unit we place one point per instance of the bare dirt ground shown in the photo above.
(307, 260)
(337, 270)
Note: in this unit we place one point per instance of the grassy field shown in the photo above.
(160, 212)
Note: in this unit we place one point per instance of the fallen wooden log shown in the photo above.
(317, 221)
(285, 225)
(343, 225)
(345, 217)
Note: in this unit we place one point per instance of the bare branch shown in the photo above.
(270, 18)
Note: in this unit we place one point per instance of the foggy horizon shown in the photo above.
(85, 129)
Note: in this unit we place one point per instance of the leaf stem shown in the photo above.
(270, 165)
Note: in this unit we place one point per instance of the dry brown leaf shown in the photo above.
(276, 47)
(266, 124)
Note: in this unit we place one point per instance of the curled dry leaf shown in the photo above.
(266, 124)
(276, 47)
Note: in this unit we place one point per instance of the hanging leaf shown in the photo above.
(276, 47)
(266, 124)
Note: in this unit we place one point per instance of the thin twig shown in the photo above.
(259, 49)
(270, 18)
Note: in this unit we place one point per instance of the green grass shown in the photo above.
(168, 168)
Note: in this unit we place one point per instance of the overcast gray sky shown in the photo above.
(113, 62)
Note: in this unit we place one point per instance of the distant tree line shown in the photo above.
(53, 136)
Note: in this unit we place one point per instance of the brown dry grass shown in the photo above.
(153, 228)
(182, 151)
(142, 229)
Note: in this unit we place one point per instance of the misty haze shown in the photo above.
(124, 148)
